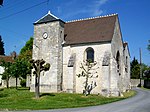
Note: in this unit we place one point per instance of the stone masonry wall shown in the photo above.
(99, 51)
(50, 50)
(119, 80)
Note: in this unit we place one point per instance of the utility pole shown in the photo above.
(140, 66)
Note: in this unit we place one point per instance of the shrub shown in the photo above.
(23, 82)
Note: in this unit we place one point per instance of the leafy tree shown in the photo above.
(27, 49)
(20, 69)
(1, 2)
(2, 52)
(87, 72)
(38, 66)
(135, 69)
(25, 56)
(148, 47)
(147, 73)
(7, 71)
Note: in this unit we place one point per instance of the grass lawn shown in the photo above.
(145, 88)
(22, 99)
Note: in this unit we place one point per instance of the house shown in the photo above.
(6, 59)
(66, 45)
(12, 81)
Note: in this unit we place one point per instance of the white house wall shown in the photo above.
(118, 82)
(99, 50)
(1, 72)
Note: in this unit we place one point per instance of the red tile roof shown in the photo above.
(6, 58)
(90, 30)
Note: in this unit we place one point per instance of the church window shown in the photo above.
(126, 64)
(118, 61)
(90, 54)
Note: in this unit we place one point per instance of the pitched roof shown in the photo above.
(98, 29)
(6, 58)
(47, 18)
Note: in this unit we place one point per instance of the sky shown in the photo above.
(17, 18)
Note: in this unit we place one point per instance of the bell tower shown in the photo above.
(47, 45)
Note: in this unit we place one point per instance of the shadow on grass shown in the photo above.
(23, 88)
(3, 95)
(1, 89)
(47, 94)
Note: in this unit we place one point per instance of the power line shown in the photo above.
(11, 6)
(23, 10)
(12, 31)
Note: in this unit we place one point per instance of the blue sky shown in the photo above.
(17, 18)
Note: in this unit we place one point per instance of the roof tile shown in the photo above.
(90, 30)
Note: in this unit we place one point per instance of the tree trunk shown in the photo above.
(7, 82)
(16, 83)
(37, 92)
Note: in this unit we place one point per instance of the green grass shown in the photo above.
(145, 88)
(22, 99)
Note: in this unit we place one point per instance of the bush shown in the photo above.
(23, 83)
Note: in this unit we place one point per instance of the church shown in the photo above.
(67, 45)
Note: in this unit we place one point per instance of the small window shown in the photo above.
(90, 54)
(126, 64)
(118, 62)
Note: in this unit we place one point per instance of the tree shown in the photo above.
(87, 72)
(135, 69)
(1, 2)
(25, 56)
(38, 66)
(148, 47)
(147, 73)
(27, 49)
(2, 52)
(7, 71)
(20, 69)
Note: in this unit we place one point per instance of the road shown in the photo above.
(138, 103)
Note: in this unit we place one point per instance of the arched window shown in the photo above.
(89, 54)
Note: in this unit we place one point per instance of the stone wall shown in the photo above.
(49, 49)
(136, 82)
(68, 72)
(12, 82)
(120, 80)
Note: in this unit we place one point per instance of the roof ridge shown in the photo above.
(92, 18)
(49, 13)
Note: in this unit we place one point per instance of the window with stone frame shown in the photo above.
(89, 54)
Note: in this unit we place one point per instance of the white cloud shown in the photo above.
(101, 2)
(97, 12)
(96, 7)
(92, 8)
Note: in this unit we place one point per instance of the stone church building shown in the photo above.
(66, 45)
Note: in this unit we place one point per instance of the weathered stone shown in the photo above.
(65, 60)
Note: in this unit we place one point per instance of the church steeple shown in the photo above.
(49, 17)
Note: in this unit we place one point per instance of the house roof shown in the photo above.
(99, 29)
(6, 58)
(47, 18)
